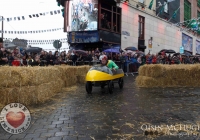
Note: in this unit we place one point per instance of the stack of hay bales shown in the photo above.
(169, 76)
(32, 85)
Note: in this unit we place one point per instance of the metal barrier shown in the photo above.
(127, 69)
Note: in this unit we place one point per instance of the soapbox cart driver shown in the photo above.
(104, 75)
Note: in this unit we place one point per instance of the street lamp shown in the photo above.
(2, 27)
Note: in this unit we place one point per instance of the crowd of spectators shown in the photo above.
(126, 61)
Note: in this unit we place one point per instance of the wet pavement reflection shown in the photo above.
(130, 113)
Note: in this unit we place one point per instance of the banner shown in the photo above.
(198, 47)
(187, 42)
(150, 44)
(83, 37)
(84, 15)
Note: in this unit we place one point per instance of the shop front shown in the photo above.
(94, 24)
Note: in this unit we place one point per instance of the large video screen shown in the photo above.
(187, 42)
(84, 15)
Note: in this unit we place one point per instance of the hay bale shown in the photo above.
(142, 70)
(33, 85)
(155, 70)
(24, 95)
(45, 74)
(144, 81)
(14, 76)
(169, 76)
(71, 81)
(44, 92)
(81, 79)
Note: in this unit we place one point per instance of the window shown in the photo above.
(166, 7)
(198, 14)
(198, 3)
(141, 28)
(110, 18)
(187, 10)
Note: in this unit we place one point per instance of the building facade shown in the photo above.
(94, 24)
(189, 9)
(156, 32)
(102, 24)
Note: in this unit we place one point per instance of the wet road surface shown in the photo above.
(130, 113)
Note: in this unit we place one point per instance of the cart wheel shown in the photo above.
(110, 87)
(121, 83)
(88, 87)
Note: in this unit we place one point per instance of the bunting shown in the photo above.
(8, 19)
(31, 32)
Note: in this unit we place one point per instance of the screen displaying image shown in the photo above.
(84, 15)
(197, 47)
(187, 42)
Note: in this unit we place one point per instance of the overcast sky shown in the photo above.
(19, 8)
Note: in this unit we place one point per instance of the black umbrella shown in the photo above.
(170, 51)
(81, 52)
(176, 54)
(33, 50)
(131, 49)
(186, 54)
(163, 50)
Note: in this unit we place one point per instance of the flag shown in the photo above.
(193, 24)
(151, 4)
(175, 13)
(162, 8)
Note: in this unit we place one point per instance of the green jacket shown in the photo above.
(112, 65)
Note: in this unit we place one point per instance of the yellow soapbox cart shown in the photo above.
(102, 76)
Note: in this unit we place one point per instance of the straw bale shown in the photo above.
(44, 92)
(144, 81)
(71, 81)
(45, 74)
(156, 70)
(25, 95)
(81, 79)
(15, 76)
(141, 70)
(144, 70)
(56, 86)
(172, 76)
